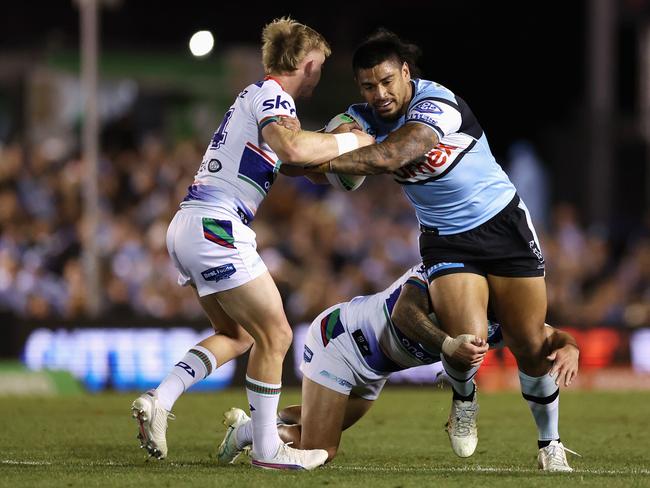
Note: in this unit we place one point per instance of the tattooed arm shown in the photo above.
(402, 146)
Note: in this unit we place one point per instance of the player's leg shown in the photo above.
(257, 306)
(319, 421)
(520, 306)
(229, 341)
(460, 301)
(152, 409)
(518, 296)
(355, 409)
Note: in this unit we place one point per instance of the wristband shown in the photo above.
(346, 142)
(449, 346)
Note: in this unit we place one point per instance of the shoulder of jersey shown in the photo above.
(426, 88)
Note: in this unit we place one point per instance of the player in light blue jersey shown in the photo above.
(214, 249)
(477, 237)
(352, 348)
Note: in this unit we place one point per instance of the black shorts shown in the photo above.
(505, 245)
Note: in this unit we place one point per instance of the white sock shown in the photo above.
(543, 397)
(263, 399)
(196, 365)
(461, 381)
(244, 435)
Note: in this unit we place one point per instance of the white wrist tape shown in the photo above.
(347, 142)
(450, 345)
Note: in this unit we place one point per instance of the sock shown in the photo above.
(462, 382)
(263, 399)
(244, 435)
(543, 397)
(196, 365)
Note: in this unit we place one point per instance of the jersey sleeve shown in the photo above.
(442, 115)
(271, 102)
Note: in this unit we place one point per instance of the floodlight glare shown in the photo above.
(201, 43)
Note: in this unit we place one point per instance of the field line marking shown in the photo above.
(368, 469)
(479, 469)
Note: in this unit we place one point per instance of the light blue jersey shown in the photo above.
(457, 185)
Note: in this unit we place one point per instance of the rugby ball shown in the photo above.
(345, 182)
(340, 181)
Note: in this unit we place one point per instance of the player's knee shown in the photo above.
(276, 339)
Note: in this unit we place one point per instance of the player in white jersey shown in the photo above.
(352, 348)
(477, 237)
(214, 250)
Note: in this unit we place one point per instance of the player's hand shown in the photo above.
(565, 364)
(364, 139)
(466, 349)
(291, 123)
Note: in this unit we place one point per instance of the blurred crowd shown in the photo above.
(321, 245)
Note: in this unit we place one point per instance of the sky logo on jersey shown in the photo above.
(219, 273)
(219, 232)
(427, 107)
(277, 103)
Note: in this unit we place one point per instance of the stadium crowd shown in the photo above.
(321, 245)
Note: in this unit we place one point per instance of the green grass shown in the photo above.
(90, 441)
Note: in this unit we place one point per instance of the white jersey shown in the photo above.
(379, 343)
(239, 167)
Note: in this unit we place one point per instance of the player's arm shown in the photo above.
(411, 316)
(303, 148)
(564, 354)
(402, 146)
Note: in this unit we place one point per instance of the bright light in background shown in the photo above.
(201, 43)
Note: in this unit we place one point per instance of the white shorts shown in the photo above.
(213, 251)
(338, 365)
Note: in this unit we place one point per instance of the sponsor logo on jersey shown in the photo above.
(219, 273)
(427, 107)
(271, 103)
(432, 164)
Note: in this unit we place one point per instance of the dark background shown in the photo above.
(522, 66)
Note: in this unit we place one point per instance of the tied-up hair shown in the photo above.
(383, 45)
(285, 43)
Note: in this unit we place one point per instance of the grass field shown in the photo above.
(90, 441)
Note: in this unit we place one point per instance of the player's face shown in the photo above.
(312, 67)
(386, 87)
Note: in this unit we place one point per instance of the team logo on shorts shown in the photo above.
(307, 355)
(219, 273)
(219, 232)
(536, 251)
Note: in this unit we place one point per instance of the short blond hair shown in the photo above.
(285, 43)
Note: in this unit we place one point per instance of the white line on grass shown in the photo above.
(370, 469)
(478, 469)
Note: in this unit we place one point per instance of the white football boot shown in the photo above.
(552, 458)
(152, 420)
(228, 450)
(461, 427)
(290, 458)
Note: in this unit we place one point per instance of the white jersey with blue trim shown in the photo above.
(239, 167)
(457, 185)
(380, 344)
